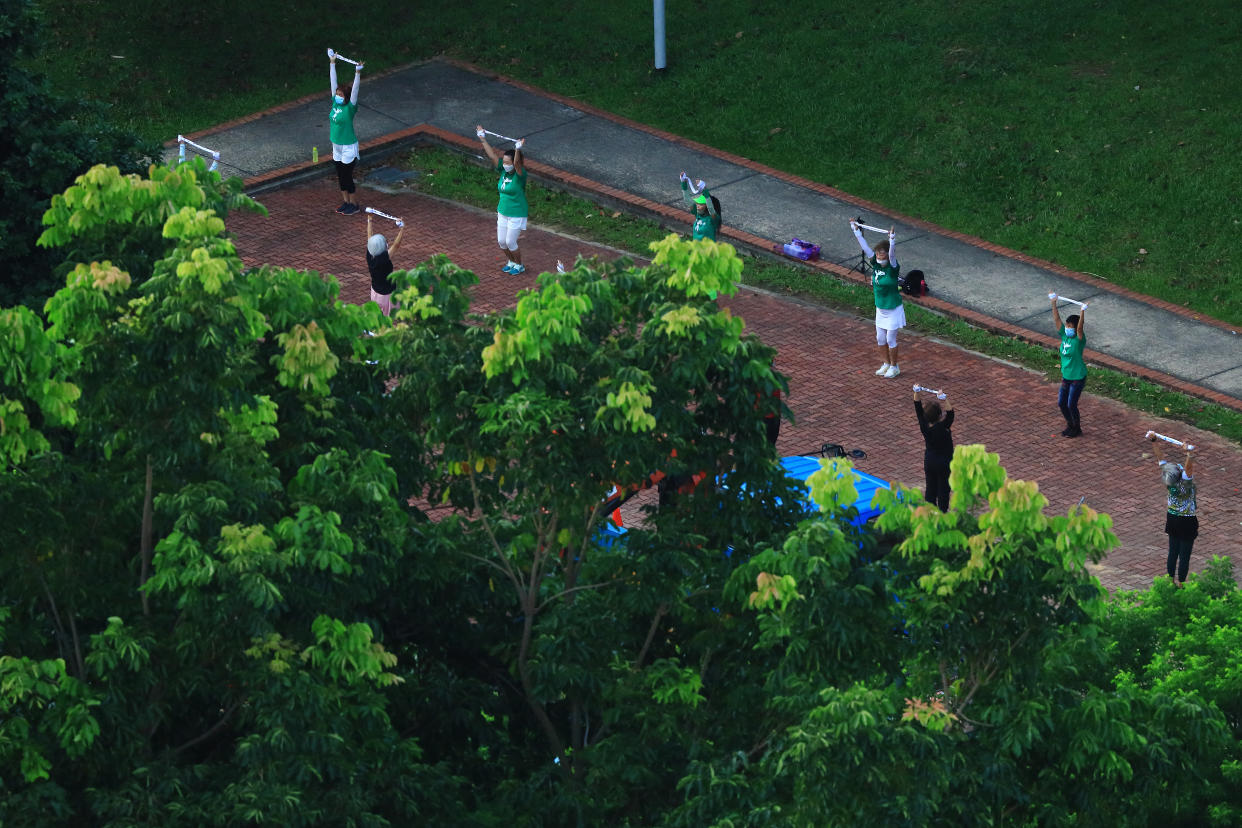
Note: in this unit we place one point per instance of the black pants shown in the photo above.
(773, 425)
(345, 175)
(936, 471)
(1179, 553)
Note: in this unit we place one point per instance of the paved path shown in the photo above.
(829, 357)
(981, 282)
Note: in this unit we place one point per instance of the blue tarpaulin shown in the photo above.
(800, 468)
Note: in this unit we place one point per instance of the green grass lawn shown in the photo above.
(455, 177)
(1099, 135)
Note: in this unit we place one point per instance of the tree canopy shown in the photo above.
(46, 140)
(269, 557)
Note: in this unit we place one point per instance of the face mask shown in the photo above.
(338, 99)
(1070, 332)
(508, 167)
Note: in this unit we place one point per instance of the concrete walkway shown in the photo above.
(623, 161)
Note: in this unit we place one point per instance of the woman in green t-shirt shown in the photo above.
(341, 133)
(512, 209)
(705, 208)
(1073, 369)
(890, 314)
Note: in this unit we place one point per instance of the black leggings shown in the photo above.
(937, 489)
(1179, 553)
(345, 175)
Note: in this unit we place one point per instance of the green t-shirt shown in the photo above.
(884, 285)
(1072, 366)
(512, 189)
(341, 120)
(706, 225)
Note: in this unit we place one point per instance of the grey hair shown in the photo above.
(1172, 474)
(377, 244)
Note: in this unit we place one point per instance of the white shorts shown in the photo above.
(508, 228)
(345, 153)
(890, 320)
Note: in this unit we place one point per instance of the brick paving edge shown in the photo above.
(426, 133)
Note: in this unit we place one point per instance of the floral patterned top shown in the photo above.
(1182, 495)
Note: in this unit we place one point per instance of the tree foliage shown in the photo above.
(273, 558)
(45, 141)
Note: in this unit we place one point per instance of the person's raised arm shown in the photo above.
(1082, 322)
(687, 191)
(332, 76)
(866, 248)
(947, 406)
(918, 412)
(519, 162)
(368, 228)
(892, 247)
(1056, 314)
(353, 95)
(1189, 467)
(1156, 448)
(711, 205)
(487, 148)
(392, 248)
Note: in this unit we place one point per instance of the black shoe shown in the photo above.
(341, 209)
(1065, 432)
(1074, 432)
(350, 209)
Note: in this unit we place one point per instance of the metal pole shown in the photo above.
(658, 11)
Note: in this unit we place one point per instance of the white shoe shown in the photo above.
(892, 371)
(883, 370)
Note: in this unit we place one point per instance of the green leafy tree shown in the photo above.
(597, 379)
(190, 576)
(252, 547)
(46, 140)
(964, 689)
(1187, 643)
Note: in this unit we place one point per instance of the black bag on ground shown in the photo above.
(913, 283)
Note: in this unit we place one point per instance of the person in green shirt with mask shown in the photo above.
(707, 219)
(1073, 369)
(341, 133)
(890, 314)
(706, 210)
(512, 210)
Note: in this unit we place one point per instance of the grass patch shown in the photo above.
(452, 176)
(1082, 133)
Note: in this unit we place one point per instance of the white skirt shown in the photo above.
(345, 153)
(890, 320)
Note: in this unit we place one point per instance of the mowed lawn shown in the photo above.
(1099, 135)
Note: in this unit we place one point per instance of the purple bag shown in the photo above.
(800, 249)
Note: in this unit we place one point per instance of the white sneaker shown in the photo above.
(883, 369)
(892, 371)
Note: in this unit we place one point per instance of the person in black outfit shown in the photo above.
(379, 263)
(936, 426)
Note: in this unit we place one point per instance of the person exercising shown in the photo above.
(1073, 369)
(341, 133)
(890, 314)
(935, 421)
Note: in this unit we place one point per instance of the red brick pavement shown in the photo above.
(829, 358)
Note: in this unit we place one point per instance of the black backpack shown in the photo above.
(913, 283)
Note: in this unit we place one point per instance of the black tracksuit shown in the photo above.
(936, 457)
